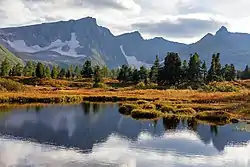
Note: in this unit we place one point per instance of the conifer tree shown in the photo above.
(154, 73)
(87, 70)
(194, 69)
(97, 75)
(171, 71)
(17, 70)
(204, 71)
(54, 72)
(29, 69)
(40, 70)
(143, 74)
(47, 72)
(62, 73)
(5, 67)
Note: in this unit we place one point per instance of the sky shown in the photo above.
(177, 20)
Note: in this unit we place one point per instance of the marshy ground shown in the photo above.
(214, 107)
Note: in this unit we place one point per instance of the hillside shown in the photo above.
(5, 53)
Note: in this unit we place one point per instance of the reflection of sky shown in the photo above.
(180, 149)
(82, 126)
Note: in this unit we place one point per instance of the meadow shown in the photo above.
(215, 104)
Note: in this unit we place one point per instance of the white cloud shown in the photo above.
(120, 15)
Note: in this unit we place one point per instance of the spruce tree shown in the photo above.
(136, 76)
(29, 69)
(62, 73)
(194, 69)
(233, 72)
(184, 71)
(40, 70)
(211, 76)
(68, 73)
(143, 74)
(97, 76)
(5, 67)
(87, 70)
(17, 70)
(171, 72)
(47, 72)
(54, 72)
(204, 71)
(246, 73)
(154, 73)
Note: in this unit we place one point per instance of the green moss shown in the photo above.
(145, 114)
(214, 116)
(184, 111)
(167, 109)
(149, 106)
(126, 109)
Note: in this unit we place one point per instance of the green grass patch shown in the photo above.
(145, 114)
(215, 116)
(126, 109)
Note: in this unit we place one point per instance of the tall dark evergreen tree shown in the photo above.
(47, 72)
(171, 71)
(62, 73)
(5, 67)
(87, 70)
(54, 72)
(136, 76)
(40, 70)
(211, 76)
(246, 73)
(155, 69)
(184, 71)
(194, 69)
(125, 74)
(143, 74)
(204, 71)
(97, 76)
(17, 70)
(29, 69)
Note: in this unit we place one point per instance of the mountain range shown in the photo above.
(74, 41)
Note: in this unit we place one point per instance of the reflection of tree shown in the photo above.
(96, 107)
(38, 108)
(192, 124)
(171, 123)
(86, 108)
(155, 125)
(214, 130)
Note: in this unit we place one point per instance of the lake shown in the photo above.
(93, 135)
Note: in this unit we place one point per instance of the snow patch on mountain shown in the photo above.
(73, 43)
(132, 60)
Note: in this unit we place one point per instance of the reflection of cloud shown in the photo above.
(62, 120)
(181, 148)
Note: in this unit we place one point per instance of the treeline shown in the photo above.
(173, 71)
(40, 70)
(176, 72)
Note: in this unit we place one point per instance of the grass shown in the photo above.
(145, 114)
(215, 116)
(151, 102)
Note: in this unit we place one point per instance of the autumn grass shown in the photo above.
(148, 102)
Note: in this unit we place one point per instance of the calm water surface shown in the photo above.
(95, 135)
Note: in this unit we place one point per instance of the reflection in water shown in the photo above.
(101, 136)
(146, 151)
(171, 123)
